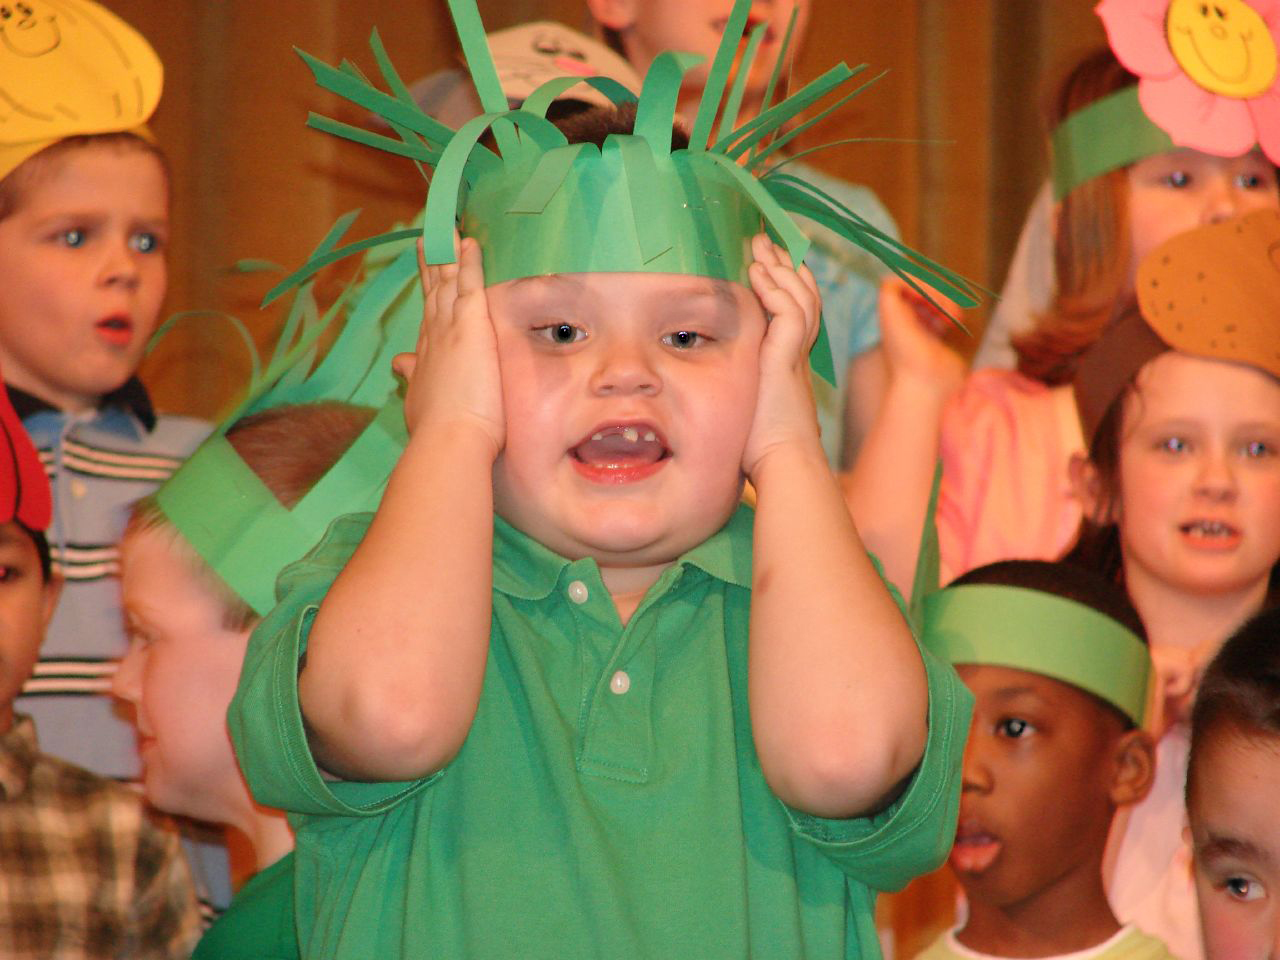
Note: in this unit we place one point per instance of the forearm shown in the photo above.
(396, 656)
(887, 490)
(837, 687)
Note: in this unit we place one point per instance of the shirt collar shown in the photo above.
(132, 396)
(18, 752)
(524, 568)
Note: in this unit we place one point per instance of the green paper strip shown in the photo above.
(759, 157)
(1108, 134)
(1041, 633)
(547, 178)
(767, 101)
(656, 114)
(484, 75)
(718, 76)
(315, 265)
(650, 205)
(729, 115)
(773, 119)
(367, 138)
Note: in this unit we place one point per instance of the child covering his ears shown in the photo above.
(578, 700)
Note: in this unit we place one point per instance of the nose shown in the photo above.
(1222, 201)
(127, 681)
(975, 775)
(120, 266)
(626, 367)
(1216, 478)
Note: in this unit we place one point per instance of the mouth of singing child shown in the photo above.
(115, 329)
(620, 452)
(975, 849)
(1210, 534)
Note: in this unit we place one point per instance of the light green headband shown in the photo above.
(540, 205)
(1106, 135)
(218, 504)
(1041, 633)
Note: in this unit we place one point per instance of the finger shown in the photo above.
(786, 319)
(470, 268)
(803, 294)
(403, 365)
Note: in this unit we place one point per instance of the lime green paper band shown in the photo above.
(1041, 633)
(1108, 134)
(239, 528)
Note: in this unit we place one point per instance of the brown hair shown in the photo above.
(290, 449)
(1240, 691)
(1091, 250)
(28, 173)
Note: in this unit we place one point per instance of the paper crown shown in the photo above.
(1207, 79)
(24, 487)
(218, 504)
(70, 67)
(1212, 292)
(1042, 633)
(541, 205)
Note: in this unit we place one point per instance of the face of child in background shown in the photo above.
(26, 604)
(628, 400)
(83, 263)
(179, 675)
(1199, 471)
(1236, 842)
(650, 27)
(1035, 801)
(1174, 192)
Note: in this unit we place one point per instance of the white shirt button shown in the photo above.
(578, 592)
(620, 683)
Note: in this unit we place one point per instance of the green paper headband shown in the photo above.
(1041, 633)
(1107, 134)
(221, 507)
(542, 205)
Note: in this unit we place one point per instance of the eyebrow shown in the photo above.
(1219, 847)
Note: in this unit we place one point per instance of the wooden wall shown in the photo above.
(965, 85)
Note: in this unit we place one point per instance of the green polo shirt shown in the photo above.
(607, 802)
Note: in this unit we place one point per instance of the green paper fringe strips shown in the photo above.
(540, 205)
(218, 504)
(1041, 633)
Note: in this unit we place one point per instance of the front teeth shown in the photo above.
(631, 435)
(1207, 528)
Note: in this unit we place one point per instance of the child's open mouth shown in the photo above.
(974, 849)
(620, 453)
(116, 329)
(1210, 534)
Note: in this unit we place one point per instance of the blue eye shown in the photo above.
(75, 237)
(562, 333)
(1258, 449)
(1177, 179)
(683, 339)
(145, 242)
(1173, 444)
(1248, 181)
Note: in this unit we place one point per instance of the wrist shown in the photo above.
(801, 455)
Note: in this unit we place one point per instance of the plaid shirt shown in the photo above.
(84, 870)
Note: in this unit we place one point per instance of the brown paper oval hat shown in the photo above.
(1212, 292)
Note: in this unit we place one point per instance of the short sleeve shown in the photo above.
(265, 716)
(914, 835)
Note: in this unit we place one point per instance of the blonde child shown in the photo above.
(1232, 779)
(528, 670)
(1181, 403)
(1005, 437)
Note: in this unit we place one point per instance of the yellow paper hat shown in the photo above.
(70, 67)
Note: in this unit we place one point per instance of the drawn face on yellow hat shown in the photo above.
(1224, 46)
(69, 67)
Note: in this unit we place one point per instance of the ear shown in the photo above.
(1134, 768)
(615, 14)
(52, 591)
(1087, 489)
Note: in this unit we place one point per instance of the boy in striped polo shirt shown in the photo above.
(84, 218)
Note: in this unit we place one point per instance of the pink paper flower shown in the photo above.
(1207, 71)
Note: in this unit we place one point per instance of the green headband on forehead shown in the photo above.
(1106, 135)
(1038, 632)
(540, 205)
